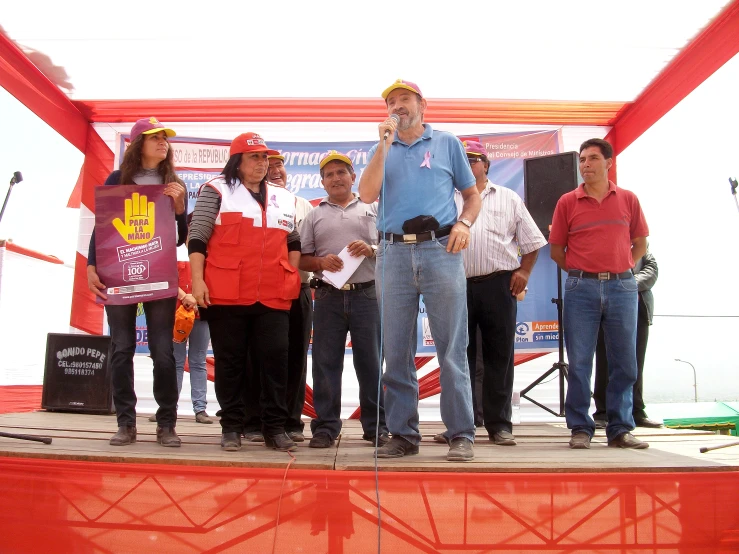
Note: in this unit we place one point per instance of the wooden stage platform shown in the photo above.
(542, 448)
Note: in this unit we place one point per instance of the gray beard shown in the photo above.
(410, 123)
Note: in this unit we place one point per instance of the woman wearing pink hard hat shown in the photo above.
(148, 161)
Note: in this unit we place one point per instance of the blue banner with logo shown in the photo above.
(198, 160)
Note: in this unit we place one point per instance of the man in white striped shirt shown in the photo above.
(495, 277)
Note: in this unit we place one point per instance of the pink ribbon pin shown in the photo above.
(426, 160)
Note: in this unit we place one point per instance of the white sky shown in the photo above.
(527, 49)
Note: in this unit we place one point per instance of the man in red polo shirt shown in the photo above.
(598, 230)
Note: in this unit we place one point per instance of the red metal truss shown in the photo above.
(706, 53)
(137, 507)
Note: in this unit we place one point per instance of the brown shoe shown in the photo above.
(166, 436)
(627, 440)
(280, 442)
(124, 436)
(580, 440)
(397, 447)
(202, 417)
(440, 438)
(503, 438)
(460, 450)
(231, 442)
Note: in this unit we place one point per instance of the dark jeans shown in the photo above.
(492, 308)
(479, 373)
(233, 335)
(601, 368)
(301, 322)
(159, 324)
(336, 313)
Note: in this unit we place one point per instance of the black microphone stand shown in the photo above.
(17, 178)
(560, 365)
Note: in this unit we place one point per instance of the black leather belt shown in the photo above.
(418, 237)
(604, 276)
(482, 278)
(348, 286)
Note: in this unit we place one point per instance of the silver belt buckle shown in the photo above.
(411, 239)
(604, 276)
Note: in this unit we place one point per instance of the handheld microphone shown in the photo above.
(395, 117)
(17, 178)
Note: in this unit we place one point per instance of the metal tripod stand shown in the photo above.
(560, 365)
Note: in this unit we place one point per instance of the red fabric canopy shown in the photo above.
(450, 110)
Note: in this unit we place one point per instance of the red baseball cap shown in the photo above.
(400, 83)
(148, 126)
(474, 148)
(247, 142)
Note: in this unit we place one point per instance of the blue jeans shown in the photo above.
(334, 313)
(403, 272)
(198, 348)
(588, 304)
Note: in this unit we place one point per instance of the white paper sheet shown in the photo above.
(339, 278)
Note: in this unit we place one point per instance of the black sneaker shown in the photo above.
(280, 442)
(321, 440)
(296, 436)
(124, 436)
(460, 450)
(253, 436)
(166, 436)
(231, 442)
(397, 447)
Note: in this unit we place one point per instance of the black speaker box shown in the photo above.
(546, 178)
(77, 376)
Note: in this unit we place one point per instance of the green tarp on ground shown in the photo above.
(704, 414)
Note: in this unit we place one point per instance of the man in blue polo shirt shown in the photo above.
(414, 171)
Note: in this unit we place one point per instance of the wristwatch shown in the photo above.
(374, 250)
(466, 221)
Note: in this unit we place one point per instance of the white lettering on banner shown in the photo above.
(201, 156)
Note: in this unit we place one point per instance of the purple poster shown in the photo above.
(135, 243)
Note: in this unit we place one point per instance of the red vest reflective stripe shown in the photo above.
(247, 252)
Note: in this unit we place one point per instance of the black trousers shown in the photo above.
(300, 324)
(234, 335)
(492, 308)
(479, 374)
(159, 324)
(601, 368)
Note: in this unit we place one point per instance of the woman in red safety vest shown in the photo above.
(244, 251)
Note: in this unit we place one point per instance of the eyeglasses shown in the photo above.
(473, 161)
